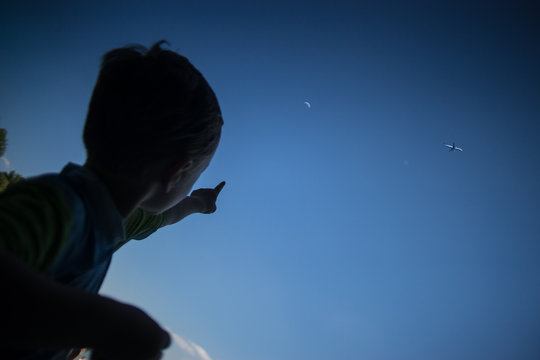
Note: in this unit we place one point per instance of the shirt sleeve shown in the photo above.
(140, 224)
(35, 222)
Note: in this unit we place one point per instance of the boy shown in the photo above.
(152, 127)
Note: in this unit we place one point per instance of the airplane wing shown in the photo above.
(450, 146)
(459, 149)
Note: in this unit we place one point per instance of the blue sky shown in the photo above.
(345, 230)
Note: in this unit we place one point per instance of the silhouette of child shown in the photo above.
(153, 126)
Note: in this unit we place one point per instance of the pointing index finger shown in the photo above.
(218, 188)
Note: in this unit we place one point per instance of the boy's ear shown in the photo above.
(176, 173)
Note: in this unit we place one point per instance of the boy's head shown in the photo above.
(150, 107)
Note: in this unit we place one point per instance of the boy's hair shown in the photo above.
(149, 105)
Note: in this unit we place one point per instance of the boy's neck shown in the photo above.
(125, 196)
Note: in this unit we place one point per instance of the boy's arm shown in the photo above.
(37, 312)
(140, 224)
(200, 201)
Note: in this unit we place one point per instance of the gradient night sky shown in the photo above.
(347, 230)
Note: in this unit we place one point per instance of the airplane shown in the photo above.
(453, 147)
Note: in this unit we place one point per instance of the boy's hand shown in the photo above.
(205, 199)
(200, 201)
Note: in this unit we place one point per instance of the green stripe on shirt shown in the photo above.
(35, 222)
(140, 224)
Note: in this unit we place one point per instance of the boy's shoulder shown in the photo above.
(43, 216)
(35, 217)
(61, 191)
(35, 192)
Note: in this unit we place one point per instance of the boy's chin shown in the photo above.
(155, 209)
(159, 205)
(152, 210)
